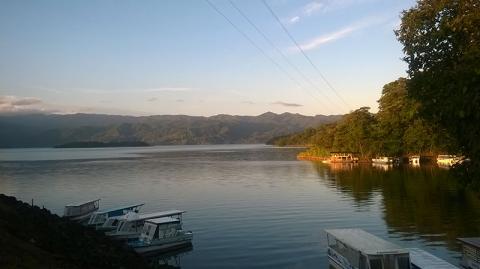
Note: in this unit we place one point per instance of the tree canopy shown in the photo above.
(441, 40)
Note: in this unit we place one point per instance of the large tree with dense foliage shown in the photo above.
(441, 41)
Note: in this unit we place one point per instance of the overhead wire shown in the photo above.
(269, 41)
(305, 55)
(261, 50)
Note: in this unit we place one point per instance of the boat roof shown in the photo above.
(473, 241)
(118, 208)
(365, 242)
(163, 220)
(425, 260)
(83, 203)
(156, 215)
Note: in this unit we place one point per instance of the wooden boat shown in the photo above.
(161, 234)
(470, 252)
(355, 249)
(81, 211)
(99, 218)
(131, 224)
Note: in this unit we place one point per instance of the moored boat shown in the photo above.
(448, 160)
(81, 211)
(161, 234)
(131, 224)
(470, 252)
(383, 160)
(100, 217)
(355, 249)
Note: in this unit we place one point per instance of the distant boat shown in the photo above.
(414, 160)
(343, 157)
(81, 211)
(161, 234)
(383, 160)
(448, 160)
(131, 224)
(99, 218)
(355, 248)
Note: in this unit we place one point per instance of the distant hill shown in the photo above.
(48, 130)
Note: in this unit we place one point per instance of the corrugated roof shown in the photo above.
(118, 208)
(82, 203)
(425, 260)
(365, 242)
(473, 241)
(164, 220)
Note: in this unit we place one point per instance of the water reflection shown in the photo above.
(423, 203)
(171, 259)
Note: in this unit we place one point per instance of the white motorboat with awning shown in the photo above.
(161, 234)
(81, 211)
(131, 224)
(357, 249)
(100, 217)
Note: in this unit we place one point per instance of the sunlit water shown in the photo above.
(252, 206)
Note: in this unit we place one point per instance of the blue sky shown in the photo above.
(182, 57)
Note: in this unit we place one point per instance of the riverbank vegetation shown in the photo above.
(435, 110)
(397, 129)
(31, 237)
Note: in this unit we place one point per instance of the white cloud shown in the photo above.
(286, 104)
(341, 33)
(14, 104)
(322, 6)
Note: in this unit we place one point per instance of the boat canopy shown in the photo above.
(119, 208)
(364, 242)
(155, 215)
(164, 220)
(425, 260)
(82, 203)
(472, 241)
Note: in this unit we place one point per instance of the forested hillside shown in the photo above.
(41, 130)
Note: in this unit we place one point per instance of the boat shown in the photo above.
(470, 252)
(420, 259)
(343, 157)
(81, 211)
(383, 160)
(355, 249)
(448, 160)
(99, 218)
(414, 160)
(161, 234)
(131, 224)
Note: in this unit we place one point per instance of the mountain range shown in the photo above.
(47, 130)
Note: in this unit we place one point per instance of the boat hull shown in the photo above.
(164, 245)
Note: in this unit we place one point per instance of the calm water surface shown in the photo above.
(252, 206)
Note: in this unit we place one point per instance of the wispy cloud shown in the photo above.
(286, 104)
(15, 104)
(340, 33)
(322, 6)
(179, 100)
(153, 99)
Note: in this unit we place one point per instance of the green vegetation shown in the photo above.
(397, 129)
(31, 237)
(441, 42)
(96, 144)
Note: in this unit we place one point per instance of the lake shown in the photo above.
(252, 206)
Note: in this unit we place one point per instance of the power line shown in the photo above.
(259, 48)
(279, 51)
(304, 54)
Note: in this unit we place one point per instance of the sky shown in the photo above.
(197, 57)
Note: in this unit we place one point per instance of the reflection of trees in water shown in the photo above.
(426, 202)
(168, 260)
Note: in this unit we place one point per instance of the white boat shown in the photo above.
(131, 224)
(383, 160)
(355, 249)
(448, 160)
(100, 218)
(161, 234)
(81, 211)
(414, 160)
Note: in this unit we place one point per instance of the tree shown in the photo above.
(441, 40)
